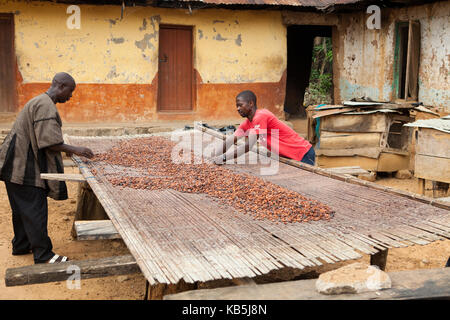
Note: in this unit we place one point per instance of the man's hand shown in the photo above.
(84, 152)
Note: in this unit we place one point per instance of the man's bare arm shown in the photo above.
(79, 151)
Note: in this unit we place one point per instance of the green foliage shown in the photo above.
(321, 78)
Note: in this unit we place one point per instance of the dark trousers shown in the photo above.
(29, 216)
(309, 157)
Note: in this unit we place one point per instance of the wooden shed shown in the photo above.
(432, 156)
(370, 135)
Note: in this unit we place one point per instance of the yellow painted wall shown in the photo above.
(229, 46)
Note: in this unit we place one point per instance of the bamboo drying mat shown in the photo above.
(176, 236)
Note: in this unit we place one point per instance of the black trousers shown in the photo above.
(29, 216)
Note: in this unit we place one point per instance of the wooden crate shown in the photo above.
(432, 158)
(374, 141)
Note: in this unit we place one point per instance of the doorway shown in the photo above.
(7, 64)
(175, 69)
(302, 51)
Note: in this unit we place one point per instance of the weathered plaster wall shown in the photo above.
(366, 57)
(115, 61)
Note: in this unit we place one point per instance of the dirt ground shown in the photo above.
(61, 214)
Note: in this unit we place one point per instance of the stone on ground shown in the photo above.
(353, 278)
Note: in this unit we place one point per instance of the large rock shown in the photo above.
(403, 174)
(353, 278)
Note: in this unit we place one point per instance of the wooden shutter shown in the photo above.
(7, 64)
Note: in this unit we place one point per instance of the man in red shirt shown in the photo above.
(269, 130)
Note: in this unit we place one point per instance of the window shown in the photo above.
(407, 51)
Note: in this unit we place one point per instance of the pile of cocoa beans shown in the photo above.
(248, 194)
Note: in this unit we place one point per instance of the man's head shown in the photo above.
(63, 85)
(246, 103)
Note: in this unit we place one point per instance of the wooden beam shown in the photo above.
(352, 170)
(95, 230)
(94, 268)
(69, 163)
(410, 284)
(63, 177)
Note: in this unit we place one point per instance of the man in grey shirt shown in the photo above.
(32, 147)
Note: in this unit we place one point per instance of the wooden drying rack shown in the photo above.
(113, 229)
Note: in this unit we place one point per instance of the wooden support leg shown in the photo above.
(379, 259)
(147, 286)
(88, 206)
(421, 189)
(440, 189)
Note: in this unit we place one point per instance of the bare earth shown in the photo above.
(61, 214)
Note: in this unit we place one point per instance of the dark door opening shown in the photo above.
(407, 52)
(175, 68)
(300, 50)
(7, 64)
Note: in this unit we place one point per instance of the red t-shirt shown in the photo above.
(290, 144)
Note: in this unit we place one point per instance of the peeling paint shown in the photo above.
(200, 34)
(145, 42)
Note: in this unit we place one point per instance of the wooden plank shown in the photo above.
(434, 143)
(69, 163)
(432, 168)
(390, 162)
(95, 230)
(345, 140)
(373, 152)
(375, 122)
(63, 177)
(353, 170)
(411, 284)
(93, 268)
(370, 164)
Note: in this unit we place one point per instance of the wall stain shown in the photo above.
(112, 73)
(200, 34)
(220, 38)
(118, 40)
(238, 40)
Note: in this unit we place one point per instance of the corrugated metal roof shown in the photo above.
(299, 3)
(442, 124)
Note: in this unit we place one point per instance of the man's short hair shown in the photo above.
(248, 96)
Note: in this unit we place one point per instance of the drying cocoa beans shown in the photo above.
(149, 165)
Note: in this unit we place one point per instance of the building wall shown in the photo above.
(114, 59)
(365, 57)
